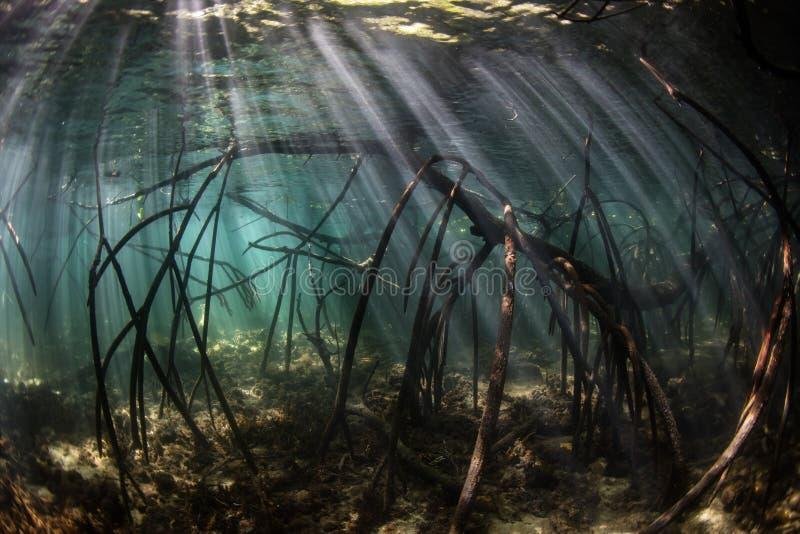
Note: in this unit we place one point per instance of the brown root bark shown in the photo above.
(494, 394)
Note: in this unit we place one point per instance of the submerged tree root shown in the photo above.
(584, 303)
(497, 379)
(407, 457)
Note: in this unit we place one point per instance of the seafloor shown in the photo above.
(54, 478)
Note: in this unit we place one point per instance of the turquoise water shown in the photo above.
(134, 103)
(509, 87)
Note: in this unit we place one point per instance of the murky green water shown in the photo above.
(510, 88)
(109, 100)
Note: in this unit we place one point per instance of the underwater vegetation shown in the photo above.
(399, 266)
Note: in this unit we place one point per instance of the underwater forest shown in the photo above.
(399, 266)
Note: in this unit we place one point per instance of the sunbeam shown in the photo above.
(398, 266)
